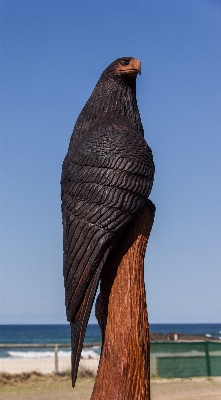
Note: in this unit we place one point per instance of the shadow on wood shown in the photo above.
(121, 310)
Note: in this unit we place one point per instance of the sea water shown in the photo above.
(60, 334)
(45, 334)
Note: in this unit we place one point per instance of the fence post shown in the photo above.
(56, 359)
(207, 359)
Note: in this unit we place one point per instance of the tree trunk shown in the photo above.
(124, 369)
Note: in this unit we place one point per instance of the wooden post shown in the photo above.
(56, 359)
(124, 369)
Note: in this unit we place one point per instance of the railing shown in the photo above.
(167, 359)
(6, 367)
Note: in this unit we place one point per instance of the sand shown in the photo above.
(45, 365)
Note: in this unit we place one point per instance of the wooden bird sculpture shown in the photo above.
(107, 176)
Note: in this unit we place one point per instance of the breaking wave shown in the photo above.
(49, 354)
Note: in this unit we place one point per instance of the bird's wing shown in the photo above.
(105, 181)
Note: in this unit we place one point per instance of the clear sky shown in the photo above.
(53, 53)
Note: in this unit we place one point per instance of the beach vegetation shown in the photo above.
(37, 386)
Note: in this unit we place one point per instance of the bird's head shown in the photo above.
(128, 67)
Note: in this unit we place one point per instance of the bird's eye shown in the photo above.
(124, 62)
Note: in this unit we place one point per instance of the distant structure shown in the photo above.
(107, 176)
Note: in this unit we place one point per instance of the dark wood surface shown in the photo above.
(107, 176)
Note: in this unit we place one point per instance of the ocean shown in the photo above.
(60, 334)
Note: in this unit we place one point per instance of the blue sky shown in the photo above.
(53, 53)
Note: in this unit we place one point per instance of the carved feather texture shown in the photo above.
(107, 176)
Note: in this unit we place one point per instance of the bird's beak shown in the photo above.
(136, 65)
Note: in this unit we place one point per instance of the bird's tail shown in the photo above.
(78, 326)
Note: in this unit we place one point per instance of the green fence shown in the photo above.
(185, 359)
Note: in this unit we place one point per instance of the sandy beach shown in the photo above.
(45, 365)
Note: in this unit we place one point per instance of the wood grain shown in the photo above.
(121, 310)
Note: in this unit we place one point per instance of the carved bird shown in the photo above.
(107, 176)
